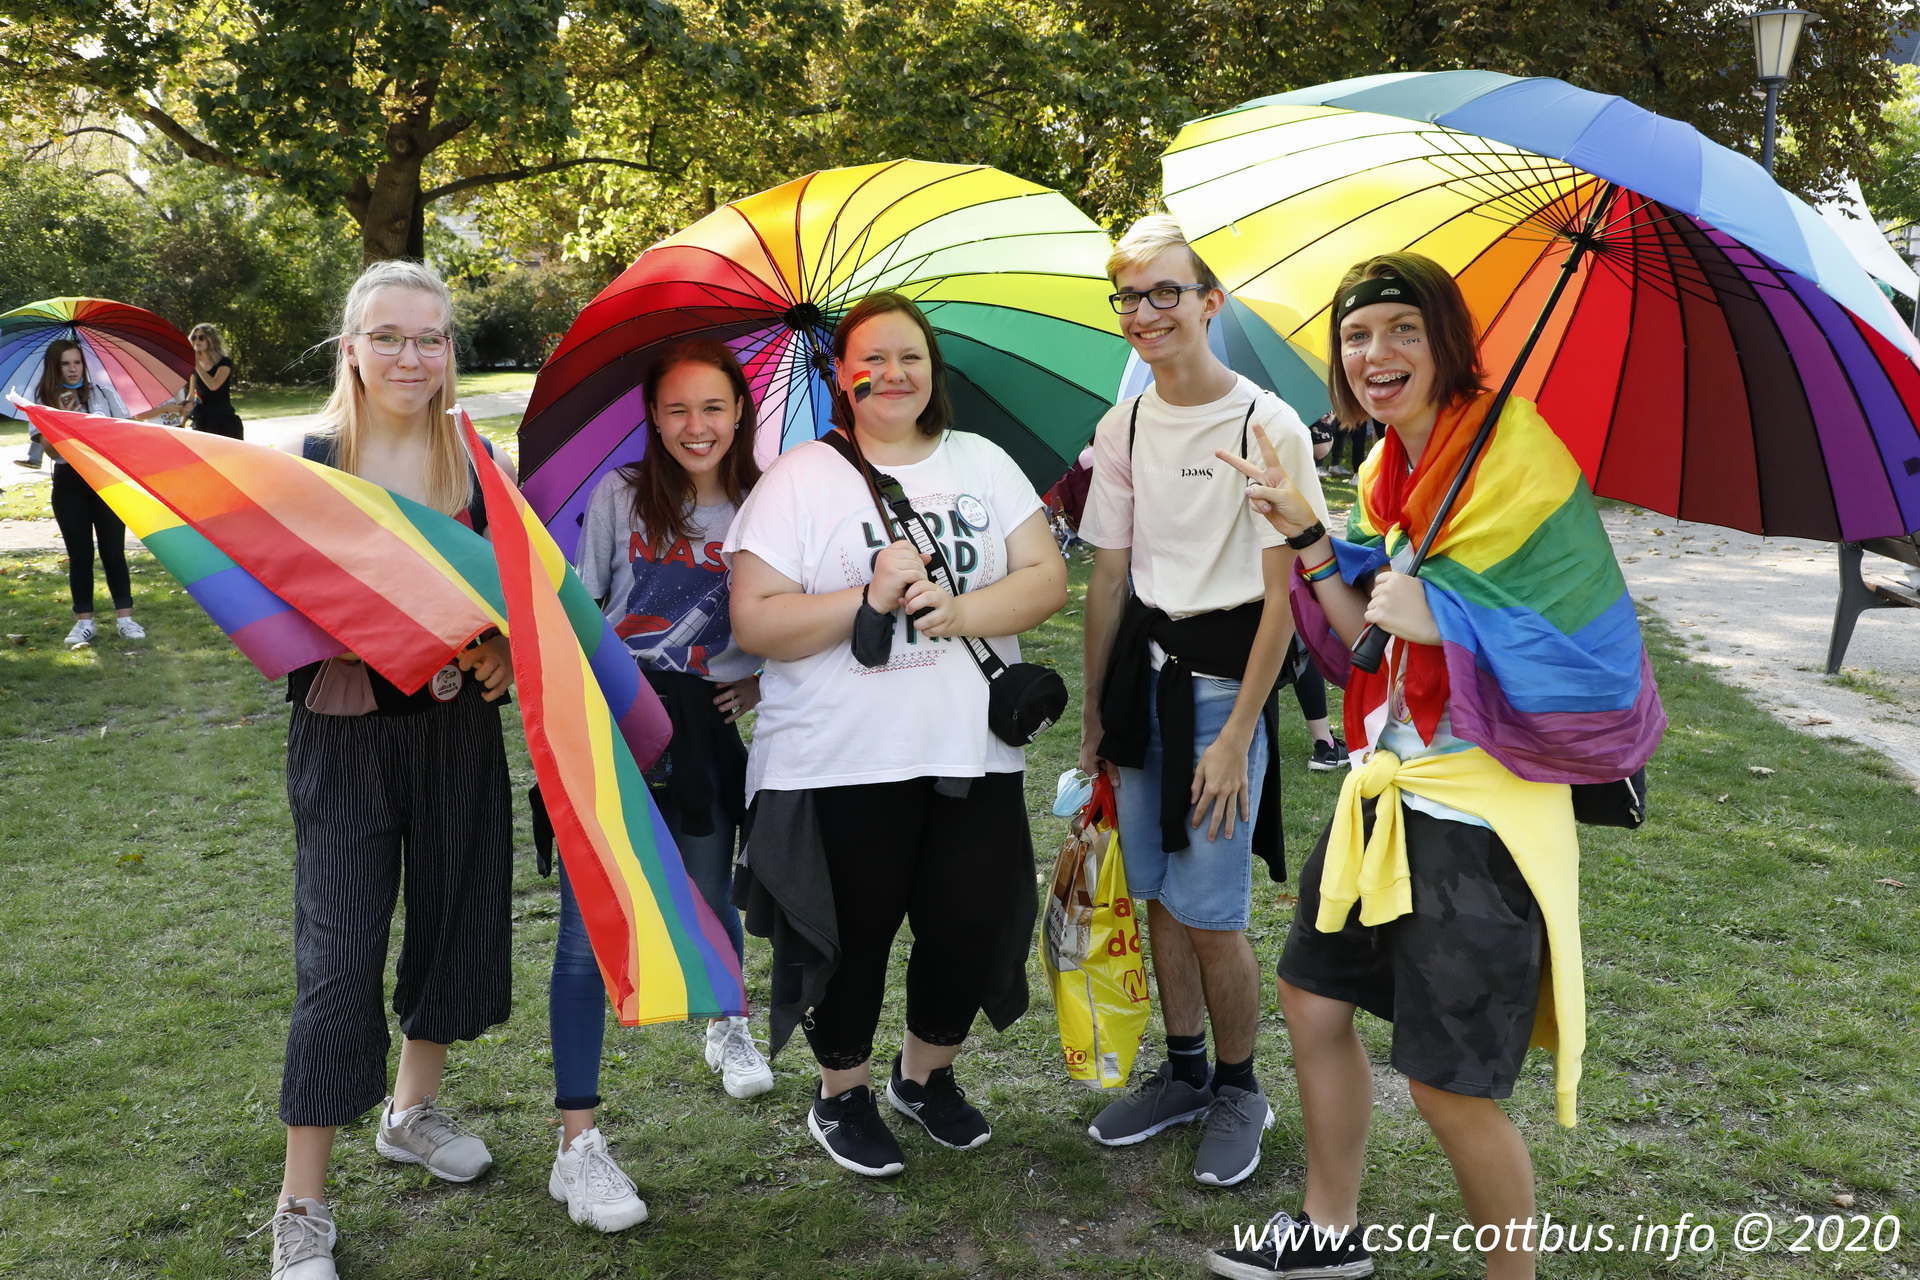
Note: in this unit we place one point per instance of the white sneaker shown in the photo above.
(732, 1052)
(597, 1192)
(303, 1239)
(83, 633)
(129, 629)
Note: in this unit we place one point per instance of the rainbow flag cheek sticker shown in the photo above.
(862, 386)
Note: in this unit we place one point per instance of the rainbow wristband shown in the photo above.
(1320, 572)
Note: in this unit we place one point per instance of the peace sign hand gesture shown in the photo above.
(1270, 490)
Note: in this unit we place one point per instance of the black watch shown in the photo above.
(1307, 536)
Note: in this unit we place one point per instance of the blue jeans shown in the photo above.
(1209, 884)
(577, 995)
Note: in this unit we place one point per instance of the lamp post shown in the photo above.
(1776, 34)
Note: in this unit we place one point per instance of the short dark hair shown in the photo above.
(1457, 374)
(938, 415)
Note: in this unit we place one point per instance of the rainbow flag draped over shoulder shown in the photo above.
(297, 561)
(1544, 667)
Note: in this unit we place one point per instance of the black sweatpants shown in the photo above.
(379, 801)
(952, 868)
(81, 513)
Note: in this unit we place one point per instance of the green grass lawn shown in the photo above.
(1752, 987)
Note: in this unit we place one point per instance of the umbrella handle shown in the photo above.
(1369, 649)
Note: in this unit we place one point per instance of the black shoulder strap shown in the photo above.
(886, 492)
(1247, 422)
(1133, 426)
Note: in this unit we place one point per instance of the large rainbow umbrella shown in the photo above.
(143, 357)
(1716, 353)
(1011, 275)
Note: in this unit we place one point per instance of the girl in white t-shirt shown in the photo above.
(650, 550)
(919, 809)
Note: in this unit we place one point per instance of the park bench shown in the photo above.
(1857, 595)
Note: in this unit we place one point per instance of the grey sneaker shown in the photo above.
(303, 1236)
(1230, 1151)
(1156, 1103)
(432, 1137)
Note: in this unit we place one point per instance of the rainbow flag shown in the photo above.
(296, 561)
(1544, 665)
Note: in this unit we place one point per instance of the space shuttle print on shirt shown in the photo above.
(677, 617)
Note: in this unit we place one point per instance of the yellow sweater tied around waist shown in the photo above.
(1533, 819)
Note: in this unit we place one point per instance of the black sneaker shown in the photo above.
(850, 1128)
(1295, 1249)
(1328, 756)
(940, 1107)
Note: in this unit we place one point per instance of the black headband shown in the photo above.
(1371, 290)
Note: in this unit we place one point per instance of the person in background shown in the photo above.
(208, 396)
(83, 516)
(650, 550)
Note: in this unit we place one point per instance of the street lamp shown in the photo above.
(1776, 34)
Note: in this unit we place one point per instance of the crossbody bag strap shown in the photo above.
(886, 492)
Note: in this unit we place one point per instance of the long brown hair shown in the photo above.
(938, 415)
(52, 384)
(663, 492)
(1443, 311)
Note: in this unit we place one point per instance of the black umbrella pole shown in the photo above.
(1371, 646)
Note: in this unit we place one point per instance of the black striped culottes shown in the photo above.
(379, 801)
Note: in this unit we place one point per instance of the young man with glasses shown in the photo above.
(1186, 627)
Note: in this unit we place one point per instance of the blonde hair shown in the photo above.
(213, 339)
(448, 485)
(1150, 237)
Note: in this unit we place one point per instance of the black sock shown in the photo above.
(1238, 1074)
(1188, 1056)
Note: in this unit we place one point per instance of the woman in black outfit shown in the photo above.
(209, 389)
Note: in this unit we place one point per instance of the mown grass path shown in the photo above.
(1753, 989)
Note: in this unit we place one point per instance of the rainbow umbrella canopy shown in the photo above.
(1249, 346)
(1011, 275)
(1717, 355)
(140, 355)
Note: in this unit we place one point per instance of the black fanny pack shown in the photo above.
(1612, 804)
(1024, 699)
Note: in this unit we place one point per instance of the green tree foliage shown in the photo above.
(199, 245)
(1891, 182)
(380, 109)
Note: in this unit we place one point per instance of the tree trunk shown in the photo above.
(392, 225)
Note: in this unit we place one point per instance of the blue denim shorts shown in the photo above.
(1209, 884)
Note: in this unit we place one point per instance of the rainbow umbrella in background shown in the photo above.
(140, 355)
(1011, 275)
(1251, 348)
(1715, 353)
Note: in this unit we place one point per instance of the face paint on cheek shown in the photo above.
(862, 386)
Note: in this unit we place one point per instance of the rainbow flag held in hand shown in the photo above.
(296, 561)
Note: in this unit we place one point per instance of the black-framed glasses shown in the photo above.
(1164, 298)
(431, 346)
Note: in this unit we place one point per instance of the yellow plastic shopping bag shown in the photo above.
(1091, 949)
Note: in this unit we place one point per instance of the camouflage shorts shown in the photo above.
(1459, 978)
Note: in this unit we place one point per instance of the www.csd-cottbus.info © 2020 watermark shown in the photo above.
(1750, 1233)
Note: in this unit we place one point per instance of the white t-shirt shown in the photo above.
(827, 721)
(1195, 540)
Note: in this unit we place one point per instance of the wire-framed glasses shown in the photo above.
(431, 346)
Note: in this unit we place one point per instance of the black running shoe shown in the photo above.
(940, 1107)
(1328, 756)
(850, 1128)
(1296, 1250)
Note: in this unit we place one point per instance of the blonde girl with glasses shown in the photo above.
(392, 791)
